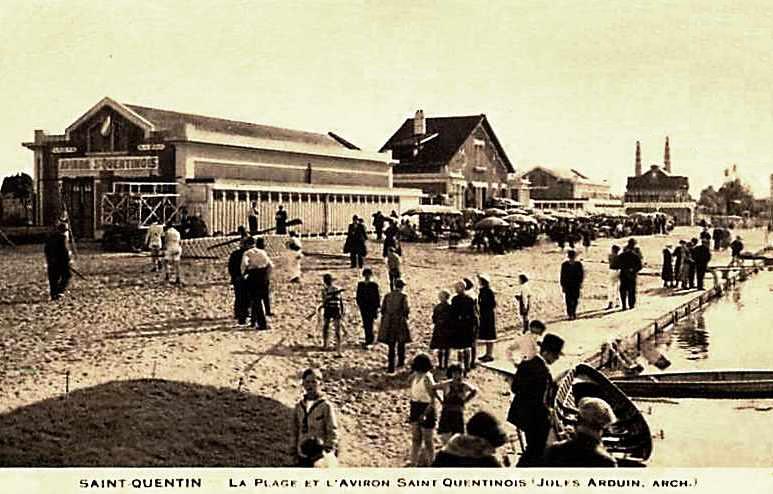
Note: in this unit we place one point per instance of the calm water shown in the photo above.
(733, 332)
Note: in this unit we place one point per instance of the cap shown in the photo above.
(485, 277)
(596, 412)
(488, 427)
(399, 283)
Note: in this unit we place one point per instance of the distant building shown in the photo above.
(552, 188)
(658, 190)
(457, 161)
(213, 167)
(557, 184)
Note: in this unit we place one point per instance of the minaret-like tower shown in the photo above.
(637, 171)
(667, 157)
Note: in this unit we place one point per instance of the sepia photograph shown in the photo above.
(386, 239)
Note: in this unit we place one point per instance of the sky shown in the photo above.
(571, 84)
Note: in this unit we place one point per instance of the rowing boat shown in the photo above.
(700, 384)
(629, 439)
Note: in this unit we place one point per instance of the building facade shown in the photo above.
(556, 184)
(213, 167)
(657, 190)
(456, 161)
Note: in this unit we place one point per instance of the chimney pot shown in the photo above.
(419, 124)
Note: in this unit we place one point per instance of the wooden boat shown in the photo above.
(700, 384)
(629, 439)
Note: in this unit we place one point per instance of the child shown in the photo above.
(456, 394)
(393, 263)
(487, 303)
(332, 311)
(314, 417)
(422, 416)
(441, 331)
(523, 298)
(174, 253)
(526, 346)
(295, 256)
(368, 300)
(153, 241)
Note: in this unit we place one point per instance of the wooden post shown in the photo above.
(67, 383)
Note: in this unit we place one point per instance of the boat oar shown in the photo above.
(77, 273)
(294, 222)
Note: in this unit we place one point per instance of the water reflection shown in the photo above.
(692, 336)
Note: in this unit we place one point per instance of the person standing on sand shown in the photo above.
(332, 312)
(294, 259)
(441, 329)
(314, 417)
(613, 282)
(252, 219)
(532, 388)
(393, 265)
(265, 289)
(174, 252)
(378, 224)
(58, 261)
(355, 246)
(241, 291)
(678, 257)
(464, 324)
(487, 304)
(667, 271)
(523, 299)
(256, 268)
(281, 220)
(394, 330)
(630, 265)
(572, 275)
(422, 413)
(153, 240)
(702, 256)
(456, 394)
(369, 301)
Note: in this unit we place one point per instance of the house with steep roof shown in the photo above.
(216, 167)
(456, 161)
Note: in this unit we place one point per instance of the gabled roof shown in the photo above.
(122, 110)
(443, 138)
(174, 124)
(569, 174)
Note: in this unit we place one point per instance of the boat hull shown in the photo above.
(629, 439)
(700, 384)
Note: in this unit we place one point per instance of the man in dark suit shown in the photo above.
(57, 252)
(241, 297)
(584, 449)
(629, 263)
(533, 389)
(701, 255)
(572, 275)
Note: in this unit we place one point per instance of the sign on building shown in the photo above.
(123, 165)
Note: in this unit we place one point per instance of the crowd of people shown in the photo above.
(463, 319)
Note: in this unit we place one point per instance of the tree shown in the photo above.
(711, 200)
(736, 197)
(18, 186)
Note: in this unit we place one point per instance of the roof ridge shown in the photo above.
(226, 120)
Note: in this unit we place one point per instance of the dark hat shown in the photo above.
(399, 283)
(552, 343)
(367, 271)
(486, 426)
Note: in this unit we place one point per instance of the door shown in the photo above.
(78, 201)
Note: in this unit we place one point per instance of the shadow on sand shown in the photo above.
(148, 423)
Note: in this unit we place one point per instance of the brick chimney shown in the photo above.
(637, 171)
(419, 124)
(667, 158)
